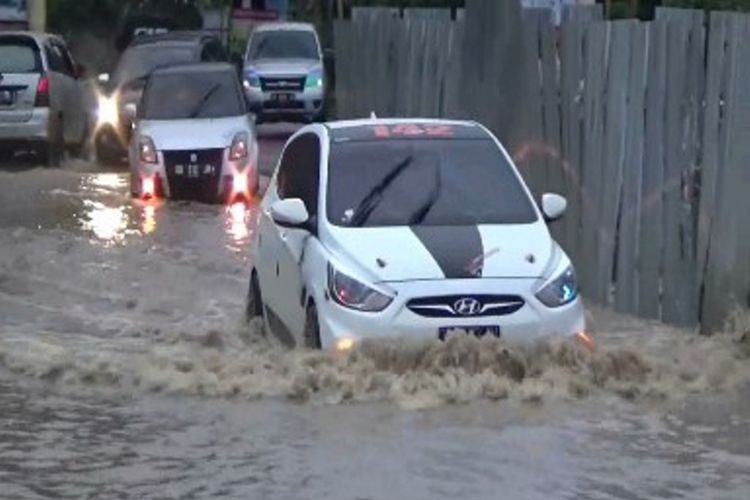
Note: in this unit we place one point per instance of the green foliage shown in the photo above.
(742, 5)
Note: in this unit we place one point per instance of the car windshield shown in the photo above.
(432, 182)
(19, 55)
(283, 45)
(179, 96)
(136, 63)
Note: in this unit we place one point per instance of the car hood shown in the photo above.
(390, 254)
(193, 134)
(283, 67)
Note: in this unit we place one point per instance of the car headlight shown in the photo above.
(239, 149)
(348, 292)
(561, 290)
(314, 79)
(147, 150)
(252, 80)
(107, 111)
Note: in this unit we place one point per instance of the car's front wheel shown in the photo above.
(312, 328)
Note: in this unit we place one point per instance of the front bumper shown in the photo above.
(35, 129)
(306, 104)
(531, 322)
(212, 189)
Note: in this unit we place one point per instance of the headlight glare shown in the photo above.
(314, 79)
(348, 292)
(560, 291)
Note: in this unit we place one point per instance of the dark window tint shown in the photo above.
(431, 182)
(68, 67)
(138, 62)
(213, 52)
(299, 172)
(54, 59)
(177, 96)
(19, 55)
(283, 45)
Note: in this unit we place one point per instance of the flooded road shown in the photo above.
(126, 371)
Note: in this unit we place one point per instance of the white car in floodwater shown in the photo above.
(412, 228)
(194, 137)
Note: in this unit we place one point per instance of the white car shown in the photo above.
(194, 137)
(380, 228)
(41, 97)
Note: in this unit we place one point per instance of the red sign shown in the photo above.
(256, 15)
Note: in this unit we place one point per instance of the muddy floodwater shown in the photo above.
(126, 371)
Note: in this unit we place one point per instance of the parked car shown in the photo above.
(194, 137)
(41, 97)
(125, 85)
(381, 228)
(284, 76)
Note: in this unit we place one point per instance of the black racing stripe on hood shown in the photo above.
(457, 250)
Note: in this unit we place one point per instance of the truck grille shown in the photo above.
(466, 306)
(276, 84)
(194, 174)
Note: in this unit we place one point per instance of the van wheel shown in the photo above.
(312, 328)
(254, 304)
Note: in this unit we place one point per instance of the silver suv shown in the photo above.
(41, 98)
(283, 74)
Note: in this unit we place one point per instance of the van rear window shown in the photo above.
(19, 55)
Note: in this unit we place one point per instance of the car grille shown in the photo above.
(283, 105)
(466, 306)
(268, 84)
(194, 174)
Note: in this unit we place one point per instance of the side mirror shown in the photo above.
(104, 78)
(131, 111)
(290, 213)
(553, 206)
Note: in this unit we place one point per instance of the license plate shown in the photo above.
(6, 98)
(195, 171)
(477, 331)
(282, 97)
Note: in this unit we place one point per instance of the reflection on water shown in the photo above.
(237, 225)
(110, 215)
(108, 224)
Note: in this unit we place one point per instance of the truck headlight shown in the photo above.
(348, 292)
(314, 79)
(560, 291)
(252, 80)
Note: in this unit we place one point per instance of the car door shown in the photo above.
(283, 248)
(64, 95)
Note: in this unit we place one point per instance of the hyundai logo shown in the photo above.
(467, 307)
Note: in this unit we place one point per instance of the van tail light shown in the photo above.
(42, 93)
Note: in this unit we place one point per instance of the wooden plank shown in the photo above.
(426, 14)
(721, 273)
(626, 290)
(452, 107)
(678, 305)
(593, 133)
(572, 82)
(609, 193)
(710, 166)
(343, 43)
(651, 234)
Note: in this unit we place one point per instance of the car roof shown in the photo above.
(174, 37)
(34, 35)
(373, 129)
(214, 67)
(285, 27)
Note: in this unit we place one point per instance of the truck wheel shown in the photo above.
(312, 328)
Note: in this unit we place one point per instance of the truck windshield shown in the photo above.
(283, 45)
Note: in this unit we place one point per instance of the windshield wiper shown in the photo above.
(369, 202)
(419, 215)
(204, 100)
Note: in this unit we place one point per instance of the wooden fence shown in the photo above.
(645, 127)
